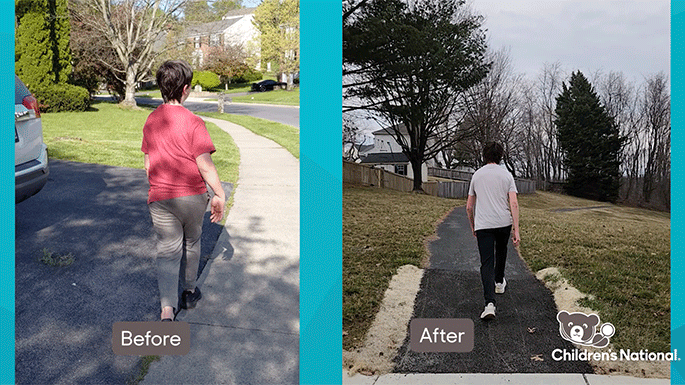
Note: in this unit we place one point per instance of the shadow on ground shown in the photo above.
(64, 315)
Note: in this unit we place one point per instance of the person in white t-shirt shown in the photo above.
(492, 208)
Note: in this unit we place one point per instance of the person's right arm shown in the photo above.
(470, 205)
(209, 174)
(514, 207)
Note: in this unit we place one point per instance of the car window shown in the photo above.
(20, 90)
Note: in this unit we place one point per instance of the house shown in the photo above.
(355, 151)
(235, 28)
(387, 154)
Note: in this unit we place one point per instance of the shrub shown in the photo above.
(206, 79)
(247, 75)
(62, 97)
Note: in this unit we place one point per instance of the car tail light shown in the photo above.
(32, 104)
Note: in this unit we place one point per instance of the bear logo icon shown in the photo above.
(580, 328)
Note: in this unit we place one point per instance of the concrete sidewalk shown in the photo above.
(499, 379)
(246, 328)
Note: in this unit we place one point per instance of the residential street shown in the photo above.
(289, 115)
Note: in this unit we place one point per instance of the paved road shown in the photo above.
(289, 115)
(64, 315)
(526, 325)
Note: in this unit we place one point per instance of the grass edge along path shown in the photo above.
(111, 135)
(277, 97)
(618, 256)
(286, 136)
(376, 244)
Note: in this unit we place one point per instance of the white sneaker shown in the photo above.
(489, 312)
(499, 287)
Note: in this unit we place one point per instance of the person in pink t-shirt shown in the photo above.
(179, 165)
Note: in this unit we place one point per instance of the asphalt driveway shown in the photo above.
(64, 315)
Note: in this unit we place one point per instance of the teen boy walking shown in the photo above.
(492, 219)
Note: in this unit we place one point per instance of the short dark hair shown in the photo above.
(492, 152)
(172, 76)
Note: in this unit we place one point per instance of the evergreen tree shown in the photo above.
(42, 55)
(589, 140)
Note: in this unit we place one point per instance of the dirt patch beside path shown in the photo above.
(566, 298)
(389, 328)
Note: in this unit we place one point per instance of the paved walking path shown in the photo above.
(245, 330)
(515, 348)
(519, 340)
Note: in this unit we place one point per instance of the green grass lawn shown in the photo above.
(236, 88)
(376, 244)
(284, 97)
(111, 135)
(283, 134)
(620, 255)
(156, 94)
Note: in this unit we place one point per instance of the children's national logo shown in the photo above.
(581, 329)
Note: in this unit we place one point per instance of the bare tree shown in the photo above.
(492, 110)
(350, 138)
(656, 108)
(548, 87)
(620, 98)
(132, 28)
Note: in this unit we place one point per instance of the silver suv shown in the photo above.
(30, 153)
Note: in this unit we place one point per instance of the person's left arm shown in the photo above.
(210, 175)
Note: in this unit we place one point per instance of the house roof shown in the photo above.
(239, 12)
(366, 147)
(390, 130)
(209, 28)
(386, 158)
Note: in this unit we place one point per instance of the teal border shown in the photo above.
(677, 208)
(321, 192)
(7, 192)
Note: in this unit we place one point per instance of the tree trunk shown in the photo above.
(129, 99)
(418, 177)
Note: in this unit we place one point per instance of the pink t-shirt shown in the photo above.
(173, 137)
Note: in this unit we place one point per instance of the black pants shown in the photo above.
(492, 245)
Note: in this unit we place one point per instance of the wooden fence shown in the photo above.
(449, 174)
(356, 173)
(524, 186)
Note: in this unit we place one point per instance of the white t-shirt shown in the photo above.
(491, 186)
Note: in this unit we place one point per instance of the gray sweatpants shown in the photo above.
(177, 220)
